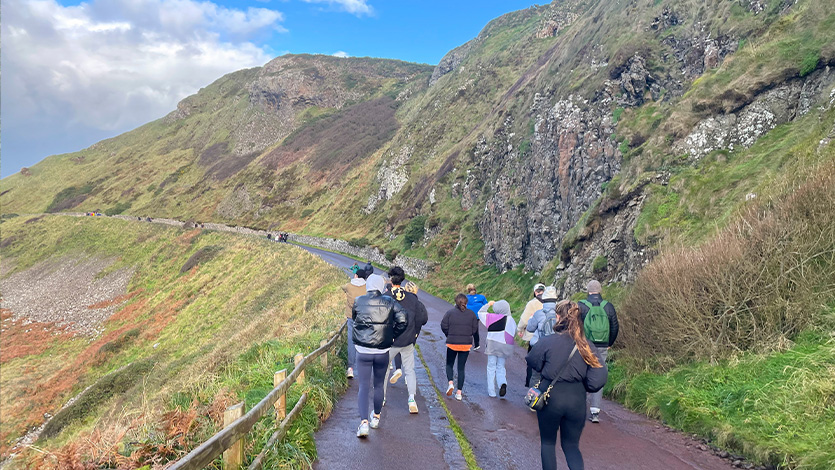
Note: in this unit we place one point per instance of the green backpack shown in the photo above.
(596, 323)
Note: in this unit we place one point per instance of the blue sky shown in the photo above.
(74, 72)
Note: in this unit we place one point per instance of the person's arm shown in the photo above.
(596, 377)
(525, 318)
(354, 310)
(536, 357)
(533, 323)
(421, 316)
(482, 314)
(445, 324)
(401, 321)
(614, 326)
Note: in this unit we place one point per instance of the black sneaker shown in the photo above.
(503, 390)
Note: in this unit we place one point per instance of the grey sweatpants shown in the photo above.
(407, 355)
(596, 397)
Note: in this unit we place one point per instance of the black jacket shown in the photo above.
(549, 354)
(459, 327)
(378, 319)
(416, 316)
(595, 299)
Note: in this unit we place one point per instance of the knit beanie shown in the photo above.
(593, 286)
(550, 294)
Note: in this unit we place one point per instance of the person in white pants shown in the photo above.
(501, 328)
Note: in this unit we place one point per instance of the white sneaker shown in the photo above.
(362, 431)
(396, 376)
(459, 396)
(449, 390)
(375, 421)
(350, 373)
(413, 409)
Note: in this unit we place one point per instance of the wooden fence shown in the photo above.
(238, 422)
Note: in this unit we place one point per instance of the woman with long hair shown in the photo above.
(459, 325)
(570, 366)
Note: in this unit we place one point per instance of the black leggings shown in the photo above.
(529, 371)
(565, 412)
(462, 361)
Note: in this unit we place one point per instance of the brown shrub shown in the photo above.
(753, 287)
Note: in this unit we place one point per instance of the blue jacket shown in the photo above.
(475, 302)
(538, 319)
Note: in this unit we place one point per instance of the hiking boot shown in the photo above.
(503, 390)
(375, 421)
(459, 396)
(350, 373)
(595, 417)
(362, 431)
(396, 376)
(449, 390)
(413, 409)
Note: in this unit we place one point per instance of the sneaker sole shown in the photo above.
(449, 392)
(413, 409)
(394, 378)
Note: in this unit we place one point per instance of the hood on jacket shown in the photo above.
(501, 307)
(358, 281)
(375, 282)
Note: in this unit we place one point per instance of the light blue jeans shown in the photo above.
(495, 373)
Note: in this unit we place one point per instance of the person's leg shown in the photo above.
(407, 355)
(476, 339)
(380, 365)
(491, 375)
(398, 361)
(597, 397)
(528, 372)
(462, 363)
(571, 427)
(548, 426)
(450, 360)
(363, 373)
(352, 349)
(501, 372)
(392, 353)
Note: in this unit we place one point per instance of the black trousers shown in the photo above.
(529, 371)
(462, 361)
(565, 412)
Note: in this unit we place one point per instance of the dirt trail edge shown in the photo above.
(502, 432)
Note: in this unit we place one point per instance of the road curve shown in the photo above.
(502, 432)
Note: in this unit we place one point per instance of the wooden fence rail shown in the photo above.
(204, 454)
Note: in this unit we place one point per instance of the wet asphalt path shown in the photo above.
(502, 432)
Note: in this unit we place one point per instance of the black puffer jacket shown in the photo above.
(459, 326)
(378, 319)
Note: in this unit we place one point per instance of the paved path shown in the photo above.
(502, 432)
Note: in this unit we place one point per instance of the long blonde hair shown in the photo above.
(569, 315)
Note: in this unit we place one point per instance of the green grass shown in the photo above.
(775, 409)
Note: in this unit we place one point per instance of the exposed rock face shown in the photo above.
(392, 175)
(768, 110)
(451, 61)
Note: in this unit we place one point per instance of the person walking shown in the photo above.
(355, 268)
(474, 302)
(566, 377)
(378, 320)
(532, 306)
(353, 289)
(600, 323)
(501, 328)
(403, 350)
(459, 324)
(369, 268)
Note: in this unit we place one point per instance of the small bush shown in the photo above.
(414, 231)
(359, 242)
(70, 197)
(392, 254)
(307, 213)
(202, 255)
(119, 343)
(600, 264)
(118, 208)
(754, 286)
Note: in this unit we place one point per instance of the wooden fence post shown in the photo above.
(299, 357)
(281, 404)
(233, 458)
(325, 355)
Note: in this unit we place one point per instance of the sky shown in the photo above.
(76, 72)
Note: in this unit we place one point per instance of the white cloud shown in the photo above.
(111, 65)
(342, 54)
(356, 7)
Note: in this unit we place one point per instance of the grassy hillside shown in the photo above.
(185, 343)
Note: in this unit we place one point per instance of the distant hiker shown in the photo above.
(353, 289)
(536, 325)
(474, 302)
(600, 323)
(532, 306)
(566, 377)
(459, 325)
(403, 351)
(369, 268)
(378, 320)
(501, 328)
(269, 236)
(355, 268)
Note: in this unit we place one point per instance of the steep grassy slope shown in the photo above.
(205, 322)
